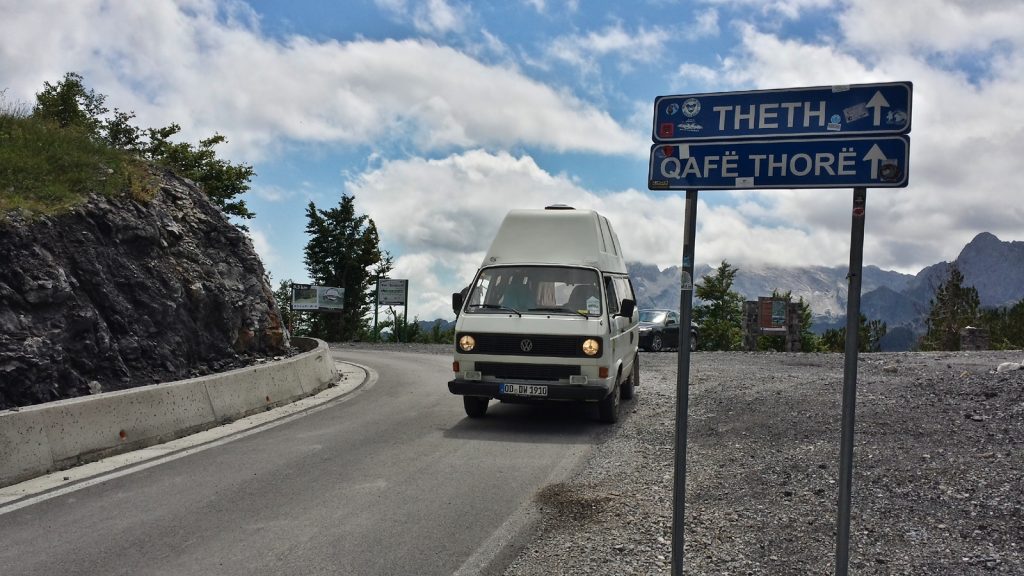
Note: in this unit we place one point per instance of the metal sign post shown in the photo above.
(376, 308)
(850, 381)
(846, 136)
(683, 384)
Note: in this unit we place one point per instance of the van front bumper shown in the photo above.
(555, 391)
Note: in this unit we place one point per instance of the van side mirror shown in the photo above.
(626, 308)
(456, 302)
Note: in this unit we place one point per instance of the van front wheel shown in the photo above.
(608, 408)
(476, 406)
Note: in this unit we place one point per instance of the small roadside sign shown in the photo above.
(330, 297)
(878, 162)
(392, 292)
(312, 297)
(304, 297)
(855, 110)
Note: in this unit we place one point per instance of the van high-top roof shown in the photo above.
(558, 235)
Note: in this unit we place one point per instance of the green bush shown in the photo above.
(69, 146)
(45, 168)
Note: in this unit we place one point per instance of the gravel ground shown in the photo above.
(938, 483)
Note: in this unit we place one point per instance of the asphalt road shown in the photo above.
(391, 479)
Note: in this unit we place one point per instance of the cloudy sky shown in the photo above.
(441, 115)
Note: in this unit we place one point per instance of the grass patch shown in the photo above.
(45, 169)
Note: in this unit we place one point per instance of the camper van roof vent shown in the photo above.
(559, 207)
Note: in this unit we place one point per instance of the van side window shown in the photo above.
(613, 300)
(608, 237)
(624, 289)
(602, 226)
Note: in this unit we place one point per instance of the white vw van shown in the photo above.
(549, 316)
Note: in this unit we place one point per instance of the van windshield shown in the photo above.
(536, 290)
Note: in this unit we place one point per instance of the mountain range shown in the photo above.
(994, 267)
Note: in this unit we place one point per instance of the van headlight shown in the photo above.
(467, 343)
(591, 347)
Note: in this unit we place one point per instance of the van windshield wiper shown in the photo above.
(497, 307)
(559, 309)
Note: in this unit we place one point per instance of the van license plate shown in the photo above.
(524, 390)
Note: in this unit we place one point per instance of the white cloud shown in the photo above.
(272, 193)
(707, 25)
(585, 51)
(538, 5)
(968, 130)
(701, 75)
(789, 9)
(436, 17)
(263, 246)
(211, 73)
(882, 26)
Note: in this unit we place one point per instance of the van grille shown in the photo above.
(530, 345)
(527, 371)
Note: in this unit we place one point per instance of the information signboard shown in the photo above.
(877, 162)
(856, 110)
(772, 312)
(391, 292)
(311, 297)
(330, 297)
(304, 297)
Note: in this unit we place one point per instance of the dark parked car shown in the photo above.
(659, 329)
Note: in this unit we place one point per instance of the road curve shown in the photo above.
(392, 479)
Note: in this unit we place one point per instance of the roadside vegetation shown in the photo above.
(954, 308)
(69, 145)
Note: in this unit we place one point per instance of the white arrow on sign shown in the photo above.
(876, 157)
(878, 102)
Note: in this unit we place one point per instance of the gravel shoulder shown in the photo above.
(938, 482)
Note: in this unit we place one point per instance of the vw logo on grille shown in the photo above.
(526, 344)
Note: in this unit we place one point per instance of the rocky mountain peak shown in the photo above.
(995, 268)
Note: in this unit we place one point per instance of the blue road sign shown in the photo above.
(856, 110)
(877, 162)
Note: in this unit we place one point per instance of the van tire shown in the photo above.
(476, 406)
(627, 388)
(608, 408)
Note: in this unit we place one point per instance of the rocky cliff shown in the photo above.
(118, 293)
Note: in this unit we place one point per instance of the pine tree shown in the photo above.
(954, 307)
(1005, 326)
(720, 316)
(344, 251)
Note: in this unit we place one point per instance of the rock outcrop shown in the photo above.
(119, 293)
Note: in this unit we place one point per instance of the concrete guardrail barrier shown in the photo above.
(39, 439)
